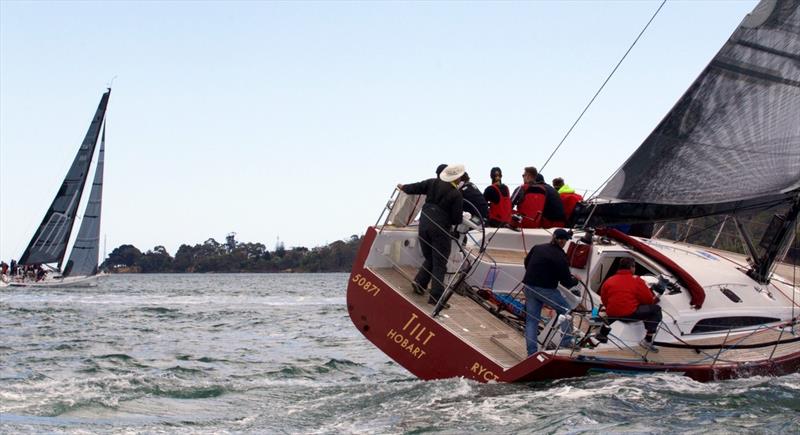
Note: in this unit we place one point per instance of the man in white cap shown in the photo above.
(441, 211)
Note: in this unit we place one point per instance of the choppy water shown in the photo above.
(278, 354)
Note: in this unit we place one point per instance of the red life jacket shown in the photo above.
(500, 212)
(570, 200)
(531, 207)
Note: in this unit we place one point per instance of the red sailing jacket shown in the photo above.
(501, 211)
(624, 292)
(531, 207)
(570, 200)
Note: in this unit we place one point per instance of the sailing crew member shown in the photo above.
(627, 297)
(553, 212)
(545, 266)
(440, 213)
(499, 199)
(569, 198)
(529, 199)
(40, 272)
(474, 202)
(4, 276)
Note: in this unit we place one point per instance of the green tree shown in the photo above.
(156, 260)
(124, 255)
(184, 259)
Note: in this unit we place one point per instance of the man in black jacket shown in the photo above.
(553, 214)
(545, 266)
(474, 202)
(441, 211)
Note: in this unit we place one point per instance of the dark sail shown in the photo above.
(732, 142)
(49, 243)
(83, 257)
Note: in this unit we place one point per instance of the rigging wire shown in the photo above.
(794, 272)
(732, 234)
(603, 85)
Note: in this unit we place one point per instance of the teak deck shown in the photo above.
(464, 318)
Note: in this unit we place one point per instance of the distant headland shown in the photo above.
(234, 257)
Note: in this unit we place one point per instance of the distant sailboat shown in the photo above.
(49, 243)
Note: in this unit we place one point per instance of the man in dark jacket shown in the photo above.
(442, 210)
(553, 214)
(474, 202)
(545, 266)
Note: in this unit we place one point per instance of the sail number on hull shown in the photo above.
(366, 284)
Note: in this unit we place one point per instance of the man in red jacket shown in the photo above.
(627, 297)
(568, 196)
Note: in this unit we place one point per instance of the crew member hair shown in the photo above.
(626, 263)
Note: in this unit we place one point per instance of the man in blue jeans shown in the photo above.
(545, 266)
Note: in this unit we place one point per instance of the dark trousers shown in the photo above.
(435, 245)
(650, 314)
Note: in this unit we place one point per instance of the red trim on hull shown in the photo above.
(565, 367)
(429, 351)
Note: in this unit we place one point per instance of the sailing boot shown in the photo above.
(602, 336)
(647, 344)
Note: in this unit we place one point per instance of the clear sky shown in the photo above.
(296, 119)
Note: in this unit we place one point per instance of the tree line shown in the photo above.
(233, 256)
